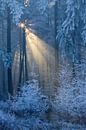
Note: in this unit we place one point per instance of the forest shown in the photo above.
(42, 65)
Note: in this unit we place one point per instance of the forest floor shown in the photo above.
(33, 113)
(64, 122)
(21, 122)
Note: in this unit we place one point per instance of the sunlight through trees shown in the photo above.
(42, 65)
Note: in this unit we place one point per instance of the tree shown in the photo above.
(14, 11)
(70, 33)
(9, 69)
(23, 56)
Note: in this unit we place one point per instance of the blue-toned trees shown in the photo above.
(13, 10)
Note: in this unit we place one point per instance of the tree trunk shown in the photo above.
(25, 55)
(56, 45)
(9, 69)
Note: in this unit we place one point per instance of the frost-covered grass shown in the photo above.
(70, 102)
(70, 126)
(29, 109)
(30, 99)
(26, 111)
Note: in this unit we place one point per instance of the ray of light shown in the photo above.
(44, 57)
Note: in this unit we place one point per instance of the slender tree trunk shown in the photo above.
(74, 58)
(5, 92)
(49, 19)
(20, 64)
(25, 56)
(55, 28)
(9, 69)
(23, 75)
(56, 44)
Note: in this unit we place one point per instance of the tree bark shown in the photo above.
(9, 69)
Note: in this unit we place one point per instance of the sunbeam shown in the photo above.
(44, 59)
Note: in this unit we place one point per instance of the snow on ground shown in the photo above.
(28, 110)
(70, 102)
(70, 126)
(30, 98)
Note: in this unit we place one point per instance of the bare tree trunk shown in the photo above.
(23, 75)
(9, 69)
(25, 55)
(56, 45)
(21, 62)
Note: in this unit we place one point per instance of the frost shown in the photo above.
(51, 3)
(31, 98)
(15, 7)
(71, 96)
(26, 111)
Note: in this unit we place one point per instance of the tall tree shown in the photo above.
(9, 69)
(14, 11)
(70, 33)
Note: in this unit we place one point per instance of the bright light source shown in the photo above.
(22, 25)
